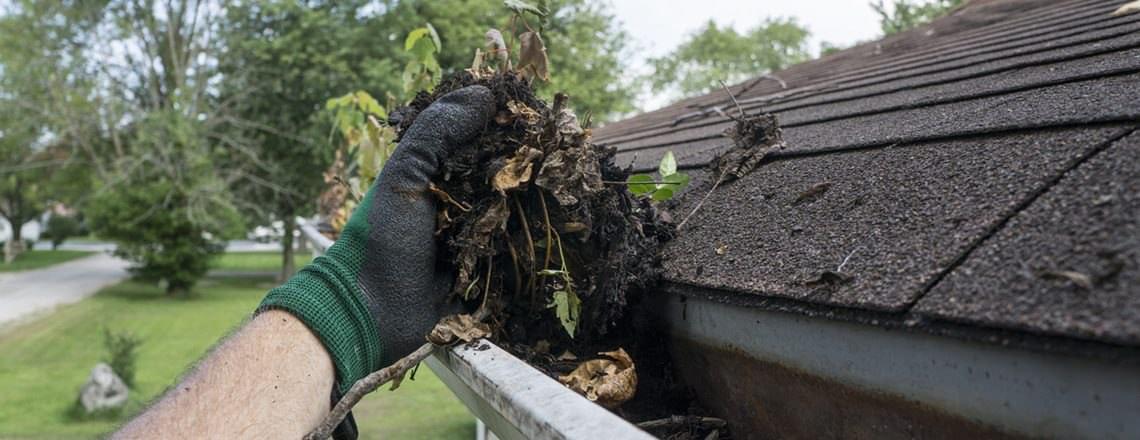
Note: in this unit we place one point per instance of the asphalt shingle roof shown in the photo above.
(962, 161)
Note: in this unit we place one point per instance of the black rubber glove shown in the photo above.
(378, 291)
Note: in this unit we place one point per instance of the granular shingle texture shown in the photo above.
(931, 161)
(904, 215)
(1088, 224)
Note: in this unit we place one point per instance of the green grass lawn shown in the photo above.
(35, 259)
(257, 261)
(44, 362)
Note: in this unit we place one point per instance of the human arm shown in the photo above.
(368, 301)
(270, 379)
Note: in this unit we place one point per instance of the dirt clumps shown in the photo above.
(536, 220)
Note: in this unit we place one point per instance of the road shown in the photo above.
(28, 293)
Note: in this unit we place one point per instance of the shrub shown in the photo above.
(60, 228)
(122, 354)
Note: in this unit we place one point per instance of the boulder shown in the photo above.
(104, 390)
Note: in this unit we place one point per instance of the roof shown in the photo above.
(981, 171)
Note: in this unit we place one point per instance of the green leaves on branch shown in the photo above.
(423, 71)
(669, 182)
(358, 117)
(540, 10)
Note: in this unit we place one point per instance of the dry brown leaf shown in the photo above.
(1127, 8)
(493, 221)
(567, 356)
(609, 381)
(521, 111)
(517, 170)
(454, 328)
(571, 174)
(496, 48)
(532, 56)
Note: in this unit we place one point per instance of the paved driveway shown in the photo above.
(23, 294)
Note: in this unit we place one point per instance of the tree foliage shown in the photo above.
(720, 53)
(586, 46)
(902, 15)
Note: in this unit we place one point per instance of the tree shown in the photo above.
(720, 53)
(906, 14)
(38, 53)
(162, 197)
(278, 82)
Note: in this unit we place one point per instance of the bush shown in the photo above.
(60, 228)
(153, 228)
(121, 351)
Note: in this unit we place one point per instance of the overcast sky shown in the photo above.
(658, 26)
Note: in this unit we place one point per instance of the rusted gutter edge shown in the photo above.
(1018, 391)
(512, 398)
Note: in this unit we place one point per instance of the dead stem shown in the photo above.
(672, 421)
(364, 386)
(372, 382)
(515, 261)
(546, 217)
(529, 241)
(700, 203)
(734, 101)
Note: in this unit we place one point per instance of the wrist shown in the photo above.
(324, 296)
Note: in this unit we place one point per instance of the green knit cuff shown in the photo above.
(322, 295)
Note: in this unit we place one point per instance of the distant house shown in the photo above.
(972, 264)
(30, 231)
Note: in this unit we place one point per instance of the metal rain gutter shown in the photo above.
(510, 397)
(1018, 392)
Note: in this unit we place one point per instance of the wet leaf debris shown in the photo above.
(538, 237)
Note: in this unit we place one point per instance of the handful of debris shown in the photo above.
(545, 236)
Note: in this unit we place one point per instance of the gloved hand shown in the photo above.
(378, 291)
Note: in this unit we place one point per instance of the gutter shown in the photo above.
(507, 395)
(779, 374)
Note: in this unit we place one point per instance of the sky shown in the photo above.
(657, 26)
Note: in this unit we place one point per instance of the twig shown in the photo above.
(701, 202)
(672, 421)
(729, 92)
(546, 216)
(848, 257)
(372, 382)
(367, 385)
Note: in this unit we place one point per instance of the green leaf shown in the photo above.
(662, 194)
(370, 105)
(520, 6)
(668, 164)
(422, 50)
(415, 36)
(675, 181)
(434, 37)
(567, 306)
(640, 184)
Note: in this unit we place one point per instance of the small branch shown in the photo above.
(848, 257)
(672, 421)
(700, 203)
(734, 101)
(367, 385)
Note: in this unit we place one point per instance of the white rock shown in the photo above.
(103, 390)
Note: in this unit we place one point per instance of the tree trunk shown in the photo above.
(15, 245)
(287, 264)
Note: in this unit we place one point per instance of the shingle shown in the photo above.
(1089, 223)
(1071, 33)
(1108, 99)
(904, 214)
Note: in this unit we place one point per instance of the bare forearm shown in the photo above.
(271, 379)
